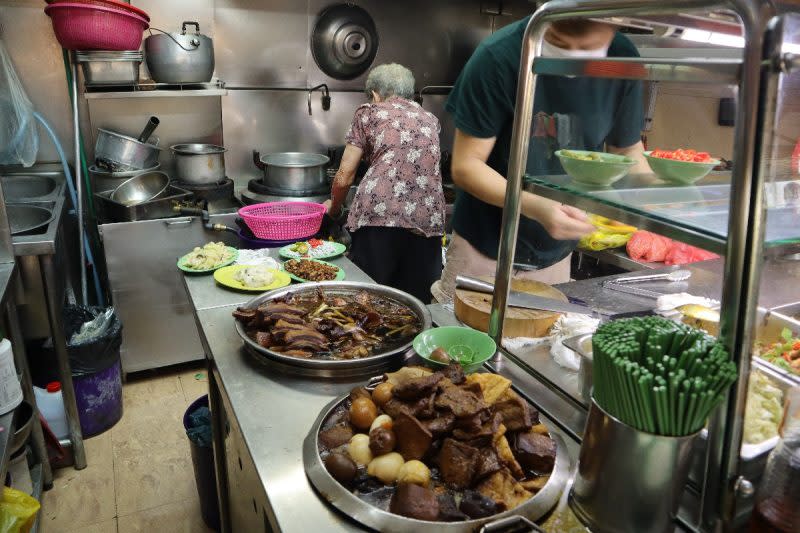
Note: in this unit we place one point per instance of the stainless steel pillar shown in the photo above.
(54, 312)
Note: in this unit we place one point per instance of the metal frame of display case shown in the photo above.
(755, 77)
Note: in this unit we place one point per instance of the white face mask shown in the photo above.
(551, 50)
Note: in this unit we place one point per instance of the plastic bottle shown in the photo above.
(51, 405)
(776, 502)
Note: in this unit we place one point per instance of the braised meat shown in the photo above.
(442, 424)
(336, 436)
(421, 408)
(535, 452)
(487, 463)
(480, 435)
(414, 501)
(311, 270)
(416, 388)
(457, 463)
(455, 373)
(413, 438)
(448, 510)
(515, 411)
(460, 401)
(335, 326)
(476, 505)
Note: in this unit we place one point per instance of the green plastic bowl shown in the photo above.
(610, 167)
(680, 172)
(471, 347)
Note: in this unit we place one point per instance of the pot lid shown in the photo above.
(344, 41)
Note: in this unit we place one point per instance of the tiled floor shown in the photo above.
(139, 475)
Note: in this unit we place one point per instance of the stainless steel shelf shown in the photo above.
(154, 90)
(697, 214)
(690, 70)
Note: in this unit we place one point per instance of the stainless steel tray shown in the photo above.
(342, 368)
(380, 520)
(160, 207)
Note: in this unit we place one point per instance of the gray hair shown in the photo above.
(390, 79)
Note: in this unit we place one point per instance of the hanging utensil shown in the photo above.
(152, 124)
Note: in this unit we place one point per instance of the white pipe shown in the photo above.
(78, 181)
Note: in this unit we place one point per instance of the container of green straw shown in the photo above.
(628, 481)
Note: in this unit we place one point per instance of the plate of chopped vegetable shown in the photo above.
(312, 270)
(784, 354)
(208, 258)
(681, 166)
(254, 278)
(313, 249)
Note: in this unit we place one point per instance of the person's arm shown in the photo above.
(635, 152)
(472, 174)
(344, 178)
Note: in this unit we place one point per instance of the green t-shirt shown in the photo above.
(578, 113)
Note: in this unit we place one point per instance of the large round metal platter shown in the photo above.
(379, 520)
(344, 41)
(344, 367)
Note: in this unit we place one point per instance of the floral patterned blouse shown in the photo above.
(402, 187)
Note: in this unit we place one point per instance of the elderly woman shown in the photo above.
(397, 216)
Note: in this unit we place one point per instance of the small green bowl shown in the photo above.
(609, 169)
(471, 347)
(680, 172)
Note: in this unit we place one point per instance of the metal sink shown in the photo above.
(28, 188)
(26, 219)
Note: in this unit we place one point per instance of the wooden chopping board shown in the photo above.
(473, 309)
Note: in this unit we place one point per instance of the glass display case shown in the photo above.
(742, 214)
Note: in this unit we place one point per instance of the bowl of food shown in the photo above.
(208, 258)
(332, 328)
(680, 166)
(418, 450)
(303, 270)
(466, 346)
(594, 168)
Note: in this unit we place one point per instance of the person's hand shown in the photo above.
(328, 204)
(564, 222)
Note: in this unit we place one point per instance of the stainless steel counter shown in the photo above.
(205, 295)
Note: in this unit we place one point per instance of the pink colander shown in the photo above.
(283, 221)
(94, 27)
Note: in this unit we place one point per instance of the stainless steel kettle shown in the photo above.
(180, 58)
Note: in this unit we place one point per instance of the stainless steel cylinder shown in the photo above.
(199, 164)
(295, 172)
(628, 481)
(115, 152)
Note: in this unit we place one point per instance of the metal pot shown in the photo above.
(199, 164)
(141, 188)
(180, 58)
(115, 152)
(294, 173)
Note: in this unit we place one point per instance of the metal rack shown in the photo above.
(756, 77)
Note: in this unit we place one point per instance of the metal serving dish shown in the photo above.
(380, 520)
(345, 367)
(102, 67)
(161, 207)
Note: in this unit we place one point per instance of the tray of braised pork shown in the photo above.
(332, 325)
(417, 446)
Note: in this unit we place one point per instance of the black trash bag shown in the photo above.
(199, 431)
(96, 355)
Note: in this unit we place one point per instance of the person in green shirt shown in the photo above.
(570, 112)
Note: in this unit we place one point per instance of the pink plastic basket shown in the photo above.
(283, 221)
(92, 27)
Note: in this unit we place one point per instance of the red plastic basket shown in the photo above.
(92, 27)
(117, 4)
(283, 221)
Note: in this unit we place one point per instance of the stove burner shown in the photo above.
(257, 186)
(209, 192)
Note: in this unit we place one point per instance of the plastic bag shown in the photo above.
(199, 431)
(17, 511)
(19, 136)
(97, 354)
